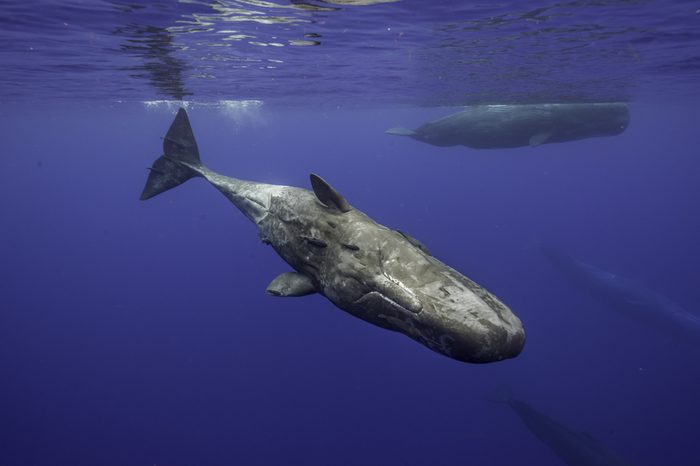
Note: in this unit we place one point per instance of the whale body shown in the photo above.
(380, 275)
(627, 296)
(573, 447)
(508, 126)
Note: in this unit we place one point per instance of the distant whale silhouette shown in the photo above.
(377, 274)
(508, 126)
(627, 296)
(573, 447)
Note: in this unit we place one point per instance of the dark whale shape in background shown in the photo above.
(508, 126)
(573, 447)
(377, 274)
(627, 296)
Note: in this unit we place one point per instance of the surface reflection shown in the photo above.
(155, 47)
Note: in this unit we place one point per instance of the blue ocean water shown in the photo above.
(139, 333)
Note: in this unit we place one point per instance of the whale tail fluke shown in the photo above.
(401, 131)
(179, 162)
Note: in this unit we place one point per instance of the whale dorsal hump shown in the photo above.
(415, 242)
(327, 195)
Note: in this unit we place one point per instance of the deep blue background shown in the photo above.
(138, 333)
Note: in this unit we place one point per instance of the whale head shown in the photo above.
(407, 290)
(390, 279)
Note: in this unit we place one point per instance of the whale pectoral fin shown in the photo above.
(291, 284)
(539, 138)
(401, 132)
(327, 195)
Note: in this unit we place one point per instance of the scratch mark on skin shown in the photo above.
(314, 241)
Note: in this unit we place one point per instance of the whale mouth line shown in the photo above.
(387, 302)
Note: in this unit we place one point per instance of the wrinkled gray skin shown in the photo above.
(571, 446)
(628, 297)
(508, 126)
(377, 274)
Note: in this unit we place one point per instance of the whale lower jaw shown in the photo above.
(480, 348)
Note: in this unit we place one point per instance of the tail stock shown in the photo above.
(179, 161)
